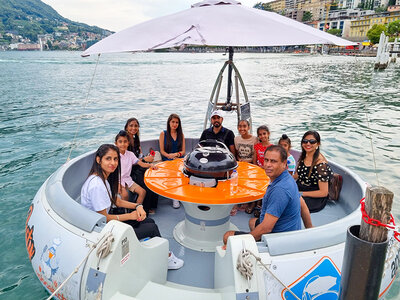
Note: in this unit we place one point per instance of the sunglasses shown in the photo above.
(312, 141)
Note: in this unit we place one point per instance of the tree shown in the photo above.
(381, 9)
(375, 32)
(335, 31)
(263, 6)
(307, 16)
(394, 28)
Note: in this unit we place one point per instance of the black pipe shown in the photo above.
(362, 269)
(229, 93)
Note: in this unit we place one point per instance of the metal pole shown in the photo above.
(362, 268)
(229, 92)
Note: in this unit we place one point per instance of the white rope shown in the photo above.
(372, 148)
(105, 247)
(102, 252)
(245, 268)
(84, 108)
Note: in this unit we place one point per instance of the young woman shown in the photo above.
(286, 143)
(172, 140)
(100, 191)
(263, 137)
(244, 143)
(313, 172)
(172, 143)
(132, 128)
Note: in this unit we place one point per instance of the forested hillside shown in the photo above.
(28, 18)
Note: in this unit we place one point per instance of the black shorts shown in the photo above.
(243, 232)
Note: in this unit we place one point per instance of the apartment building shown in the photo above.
(359, 27)
(278, 5)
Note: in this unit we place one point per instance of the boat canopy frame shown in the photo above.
(242, 109)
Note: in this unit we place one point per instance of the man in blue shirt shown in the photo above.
(218, 132)
(282, 208)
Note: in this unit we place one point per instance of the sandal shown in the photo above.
(249, 210)
(234, 211)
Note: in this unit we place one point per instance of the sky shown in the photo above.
(116, 15)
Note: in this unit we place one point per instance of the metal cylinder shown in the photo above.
(362, 268)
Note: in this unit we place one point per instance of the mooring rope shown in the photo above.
(104, 249)
(244, 266)
(84, 108)
(372, 148)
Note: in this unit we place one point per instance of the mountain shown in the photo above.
(28, 18)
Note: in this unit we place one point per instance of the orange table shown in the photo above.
(207, 210)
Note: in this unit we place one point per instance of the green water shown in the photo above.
(43, 98)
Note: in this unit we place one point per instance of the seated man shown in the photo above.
(282, 207)
(219, 133)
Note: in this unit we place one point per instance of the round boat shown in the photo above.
(61, 234)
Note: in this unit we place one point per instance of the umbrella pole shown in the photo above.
(229, 92)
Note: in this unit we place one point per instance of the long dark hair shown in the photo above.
(114, 178)
(262, 127)
(179, 133)
(134, 142)
(316, 135)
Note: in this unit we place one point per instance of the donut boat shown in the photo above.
(111, 263)
(77, 255)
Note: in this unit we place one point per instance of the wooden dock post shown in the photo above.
(365, 250)
(378, 204)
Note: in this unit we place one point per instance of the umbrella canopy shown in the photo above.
(215, 23)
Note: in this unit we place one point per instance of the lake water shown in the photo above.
(43, 104)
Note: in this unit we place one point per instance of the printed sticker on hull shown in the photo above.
(322, 281)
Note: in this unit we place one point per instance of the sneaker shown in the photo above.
(174, 263)
(176, 204)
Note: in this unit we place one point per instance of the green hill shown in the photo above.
(29, 18)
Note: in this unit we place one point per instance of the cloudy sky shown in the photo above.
(119, 14)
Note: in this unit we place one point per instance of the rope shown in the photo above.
(372, 148)
(105, 247)
(244, 267)
(84, 108)
(102, 252)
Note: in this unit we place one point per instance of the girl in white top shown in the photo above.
(100, 190)
(244, 143)
(244, 146)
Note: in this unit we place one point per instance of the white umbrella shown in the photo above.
(215, 23)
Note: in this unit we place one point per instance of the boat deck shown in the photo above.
(198, 270)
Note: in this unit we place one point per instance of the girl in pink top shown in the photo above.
(128, 159)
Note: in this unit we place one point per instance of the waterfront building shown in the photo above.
(394, 7)
(278, 6)
(318, 8)
(360, 26)
(340, 19)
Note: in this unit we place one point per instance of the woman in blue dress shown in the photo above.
(172, 143)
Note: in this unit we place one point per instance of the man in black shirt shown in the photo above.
(218, 132)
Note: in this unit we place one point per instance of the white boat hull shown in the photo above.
(60, 234)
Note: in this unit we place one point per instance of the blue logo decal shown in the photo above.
(322, 282)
